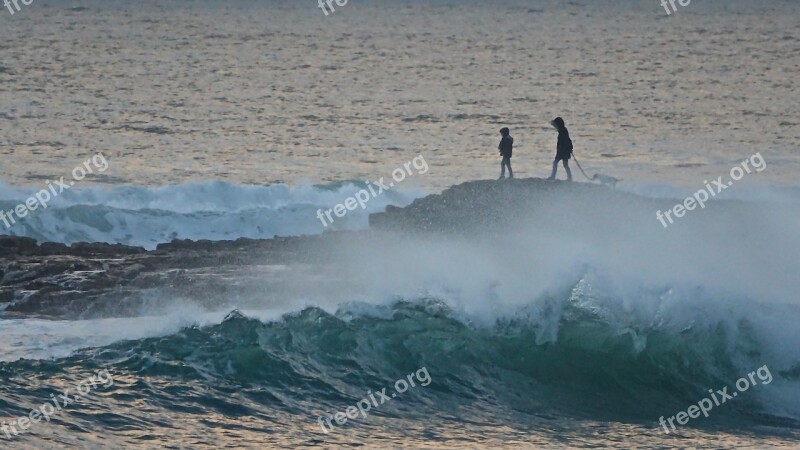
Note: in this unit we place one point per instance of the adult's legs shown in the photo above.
(569, 172)
(507, 162)
(502, 169)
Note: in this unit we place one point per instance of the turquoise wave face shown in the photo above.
(312, 364)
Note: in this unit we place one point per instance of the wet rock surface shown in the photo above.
(86, 280)
(83, 280)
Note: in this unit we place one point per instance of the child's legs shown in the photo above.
(555, 168)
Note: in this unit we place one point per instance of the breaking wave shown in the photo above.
(145, 217)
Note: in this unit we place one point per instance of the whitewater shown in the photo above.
(142, 216)
(581, 313)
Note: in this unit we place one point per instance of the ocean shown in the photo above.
(245, 120)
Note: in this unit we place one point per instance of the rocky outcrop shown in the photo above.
(80, 280)
(490, 205)
(13, 246)
(19, 246)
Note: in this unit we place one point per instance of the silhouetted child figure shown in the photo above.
(563, 148)
(506, 145)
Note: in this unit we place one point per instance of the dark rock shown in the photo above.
(488, 205)
(203, 244)
(53, 248)
(176, 244)
(103, 249)
(6, 296)
(17, 245)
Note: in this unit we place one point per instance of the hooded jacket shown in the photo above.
(564, 146)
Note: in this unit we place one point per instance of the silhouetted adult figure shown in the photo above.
(506, 145)
(563, 148)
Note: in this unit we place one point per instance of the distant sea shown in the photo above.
(275, 92)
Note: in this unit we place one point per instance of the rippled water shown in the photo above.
(274, 91)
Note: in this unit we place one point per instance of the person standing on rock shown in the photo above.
(506, 145)
(563, 148)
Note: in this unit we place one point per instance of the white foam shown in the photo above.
(216, 210)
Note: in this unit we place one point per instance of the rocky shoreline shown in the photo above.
(54, 280)
(81, 280)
